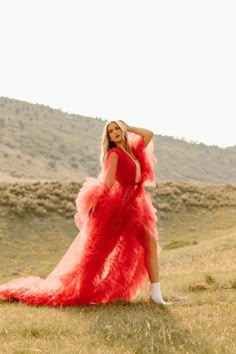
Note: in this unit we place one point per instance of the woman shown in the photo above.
(117, 245)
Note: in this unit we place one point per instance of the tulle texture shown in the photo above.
(106, 260)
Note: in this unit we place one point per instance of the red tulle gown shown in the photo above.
(106, 261)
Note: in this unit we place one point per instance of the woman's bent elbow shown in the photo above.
(148, 137)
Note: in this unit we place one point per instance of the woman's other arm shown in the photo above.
(109, 176)
(111, 167)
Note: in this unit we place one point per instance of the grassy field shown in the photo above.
(197, 231)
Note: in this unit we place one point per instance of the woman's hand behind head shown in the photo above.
(124, 124)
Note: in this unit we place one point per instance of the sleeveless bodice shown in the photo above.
(128, 169)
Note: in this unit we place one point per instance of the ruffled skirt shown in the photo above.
(106, 260)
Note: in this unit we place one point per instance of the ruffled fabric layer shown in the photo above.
(106, 260)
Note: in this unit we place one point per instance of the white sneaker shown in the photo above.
(160, 301)
(155, 294)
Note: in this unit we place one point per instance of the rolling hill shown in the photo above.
(41, 143)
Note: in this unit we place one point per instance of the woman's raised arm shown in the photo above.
(145, 133)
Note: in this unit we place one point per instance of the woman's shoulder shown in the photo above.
(112, 154)
(115, 150)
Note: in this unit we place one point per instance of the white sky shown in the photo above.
(166, 65)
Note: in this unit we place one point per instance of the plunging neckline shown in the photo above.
(130, 156)
(137, 166)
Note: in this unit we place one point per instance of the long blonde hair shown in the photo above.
(107, 145)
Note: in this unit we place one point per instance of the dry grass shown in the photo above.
(199, 275)
(139, 327)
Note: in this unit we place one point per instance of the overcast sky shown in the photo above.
(165, 65)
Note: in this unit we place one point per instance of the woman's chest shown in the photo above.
(126, 169)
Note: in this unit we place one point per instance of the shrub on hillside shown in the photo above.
(41, 198)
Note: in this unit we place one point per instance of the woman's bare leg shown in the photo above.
(152, 266)
(151, 258)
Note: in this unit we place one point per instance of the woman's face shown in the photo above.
(114, 133)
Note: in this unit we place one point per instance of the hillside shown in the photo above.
(41, 143)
